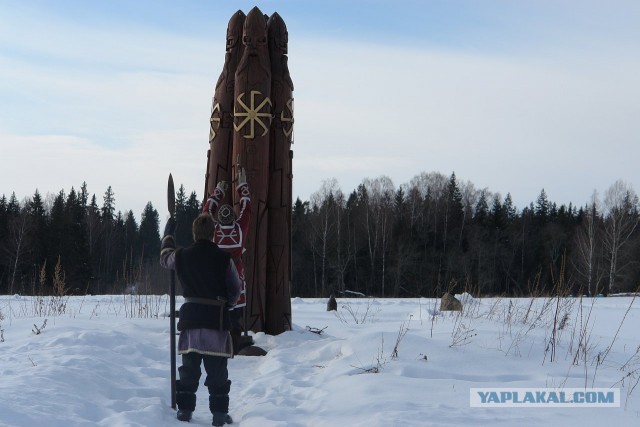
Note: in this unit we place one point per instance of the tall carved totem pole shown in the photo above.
(252, 127)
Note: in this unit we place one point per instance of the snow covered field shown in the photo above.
(104, 360)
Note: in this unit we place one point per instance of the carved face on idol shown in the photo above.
(278, 35)
(234, 30)
(255, 32)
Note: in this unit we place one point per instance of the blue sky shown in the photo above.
(514, 96)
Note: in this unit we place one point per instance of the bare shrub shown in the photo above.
(357, 315)
(401, 333)
(142, 306)
(602, 356)
(379, 362)
(58, 301)
(462, 334)
(631, 370)
(38, 330)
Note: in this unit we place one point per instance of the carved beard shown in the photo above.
(253, 62)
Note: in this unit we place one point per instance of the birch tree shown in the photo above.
(380, 198)
(587, 238)
(621, 220)
(324, 225)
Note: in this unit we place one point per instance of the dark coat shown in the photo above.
(205, 273)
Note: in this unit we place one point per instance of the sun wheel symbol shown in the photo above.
(287, 122)
(215, 121)
(252, 114)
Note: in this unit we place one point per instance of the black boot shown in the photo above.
(219, 404)
(220, 419)
(184, 415)
(186, 400)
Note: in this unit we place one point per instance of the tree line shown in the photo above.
(98, 249)
(436, 234)
(431, 235)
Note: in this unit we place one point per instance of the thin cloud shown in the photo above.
(124, 106)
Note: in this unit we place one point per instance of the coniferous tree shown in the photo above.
(132, 246)
(4, 220)
(55, 236)
(75, 261)
(109, 265)
(497, 215)
(481, 216)
(542, 209)
(452, 237)
(454, 211)
(150, 233)
(4, 214)
(83, 195)
(509, 209)
(482, 250)
(120, 259)
(193, 208)
(13, 207)
(358, 207)
(108, 206)
(38, 217)
(302, 268)
(404, 249)
(94, 227)
(183, 219)
(58, 226)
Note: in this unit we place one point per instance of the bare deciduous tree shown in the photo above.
(586, 241)
(380, 193)
(325, 224)
(17, 243)
(621, 219)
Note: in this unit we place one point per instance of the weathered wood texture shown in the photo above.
(252, 127)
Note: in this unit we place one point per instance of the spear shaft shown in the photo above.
(171, 202)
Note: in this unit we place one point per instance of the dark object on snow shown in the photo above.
(252, 350)
(316, 330)
(450, 303)
(332, 304)
(240, 342)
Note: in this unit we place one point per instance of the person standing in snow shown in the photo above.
(211, 286)
(230, 235)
